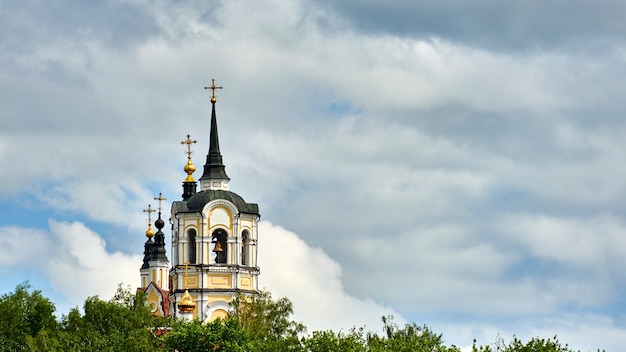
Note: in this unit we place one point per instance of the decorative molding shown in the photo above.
(226, 204)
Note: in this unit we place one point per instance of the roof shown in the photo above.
(202, 198)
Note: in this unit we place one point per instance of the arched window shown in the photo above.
(219, 246)
(191, 235)
(244, 248)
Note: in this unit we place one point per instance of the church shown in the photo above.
(214, 234)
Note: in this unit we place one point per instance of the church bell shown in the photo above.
(218, 247)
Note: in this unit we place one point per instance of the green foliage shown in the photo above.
(268, 322)
(24, 314)
(328, 340)
(123, 323)
(410, 338)
(218, 335)
(27, 323)
(535, 344)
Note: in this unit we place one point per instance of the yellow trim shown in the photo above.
(212, 299)
(152, 300)
(229, 226)
(245, 225)
(193, 281)
(219, 313)
(219, 281)
(245, 282)
(191, 222)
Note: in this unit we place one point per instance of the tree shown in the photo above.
(268, 322)
(411, 338)
(328, 340)
(23, 314)
(218, 335)
(122, 323)
(535, 344)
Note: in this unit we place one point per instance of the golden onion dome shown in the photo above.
(186, 304)
(149, 231)
(190, 168)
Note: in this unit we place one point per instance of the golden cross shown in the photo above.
(213, 87)
(160, 198)
(186, 273)
(189, 142)
(149, 211)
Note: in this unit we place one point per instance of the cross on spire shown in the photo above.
(213, 87)
(189, 142)
(160, 198)
(149, 211)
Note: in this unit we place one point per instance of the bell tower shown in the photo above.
(214, 236)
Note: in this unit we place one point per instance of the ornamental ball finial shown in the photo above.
(149, 231)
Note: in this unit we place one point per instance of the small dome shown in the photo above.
(186, 304)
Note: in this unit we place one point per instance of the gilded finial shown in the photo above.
(190, 168)
(213, 87)
(149, 231)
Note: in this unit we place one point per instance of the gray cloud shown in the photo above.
(577, 26)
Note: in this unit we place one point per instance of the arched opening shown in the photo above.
(219, 246)
(191, 236)
(174, 247)
(244, 247)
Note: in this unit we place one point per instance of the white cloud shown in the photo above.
(312, 281)
(72, 258)
(594, 245)
(20, 246)
(80, 265)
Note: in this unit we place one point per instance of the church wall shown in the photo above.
(246, 282)
(222, 281)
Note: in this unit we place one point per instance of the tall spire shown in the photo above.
(149, 245)
(214, 169)
(189, 185)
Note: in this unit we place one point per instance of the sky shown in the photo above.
(458, 164)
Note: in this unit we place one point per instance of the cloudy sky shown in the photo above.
(458, 164)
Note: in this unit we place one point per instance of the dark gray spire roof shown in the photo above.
(214, 168)
(155, 249)
(158, 249)
(147, 253)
